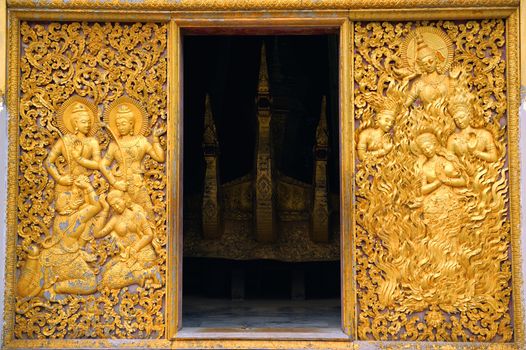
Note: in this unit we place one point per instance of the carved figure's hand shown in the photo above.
(66, 180)
(103, 202)
(388, 146)
(158, 132)
(82, 182)
(472, 142)
(131, 260)
(77, 150)
(120, 185)
(417, 203)
(455, 71)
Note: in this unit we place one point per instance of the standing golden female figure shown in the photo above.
(77, 123)
(59, 265)
(127, 123)
(428, 53)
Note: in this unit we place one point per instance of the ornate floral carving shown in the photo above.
(433, 231)
(91, 266)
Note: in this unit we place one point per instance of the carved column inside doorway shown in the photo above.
(264, 196)
(211, 210)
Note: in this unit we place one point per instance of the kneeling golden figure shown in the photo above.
(133, 236)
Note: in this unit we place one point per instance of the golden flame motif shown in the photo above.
(92, 211)
(432, 227)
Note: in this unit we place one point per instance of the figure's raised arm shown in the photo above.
(105, 163)
(103, 215)
(49, 164)
(155, 150)
(489, 154)
(146, 232)
(93, 163)
(99, 231)
(362, 146)
(93, 206)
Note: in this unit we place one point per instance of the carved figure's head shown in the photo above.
(125, 120)
(428, 143)
(116, 200)
(427, 59)
(387, 106)
(460, 106)
(80, 118)
(385, 119)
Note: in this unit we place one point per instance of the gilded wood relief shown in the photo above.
(91, 204)
(432, 225)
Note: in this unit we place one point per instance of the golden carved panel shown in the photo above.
(433, 226)
(91, 246)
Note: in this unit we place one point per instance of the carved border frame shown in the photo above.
(243, 14)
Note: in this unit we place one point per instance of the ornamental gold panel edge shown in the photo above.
(251, 344)
(514, 100)
(192, 5)
(252, 17)
(13, 37)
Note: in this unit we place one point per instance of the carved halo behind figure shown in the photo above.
(64, 119)
(140, 126)
(436, 39)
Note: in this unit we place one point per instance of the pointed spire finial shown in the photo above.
(263, 87)
(322, 138)
(209, 136)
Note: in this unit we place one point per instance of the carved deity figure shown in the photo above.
(430, 57)
(376, 141)
(133, 235)
(468, 139)
(82, 152)
(61, 266)
(440, 175)
(127, 123)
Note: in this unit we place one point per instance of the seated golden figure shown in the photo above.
(133, 236)
(127, 122)
(61, 267)
(377, 141)
(468, 139)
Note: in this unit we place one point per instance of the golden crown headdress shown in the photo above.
(422, 49)
(391, 102)
(78, 107)
(460, 100)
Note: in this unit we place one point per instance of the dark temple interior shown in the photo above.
(261, 181)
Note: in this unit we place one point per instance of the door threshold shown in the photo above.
(296, 333)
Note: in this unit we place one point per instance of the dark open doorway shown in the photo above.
(234, 277)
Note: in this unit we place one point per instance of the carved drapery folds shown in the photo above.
(433, 233)
(91, 203)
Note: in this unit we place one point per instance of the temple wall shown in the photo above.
(4, 162)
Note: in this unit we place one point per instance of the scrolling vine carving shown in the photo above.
(91, 205)
(433, 232)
